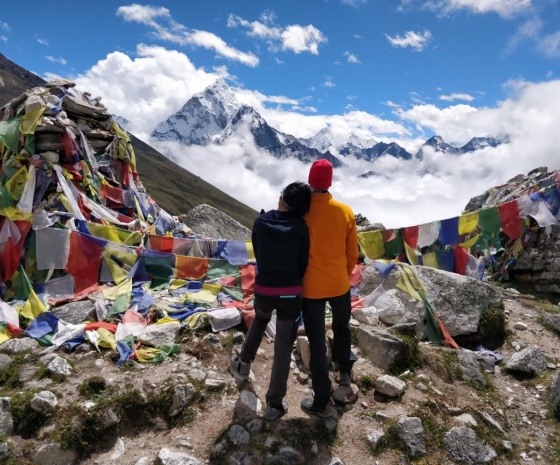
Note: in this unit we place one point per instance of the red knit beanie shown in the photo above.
(320, 175)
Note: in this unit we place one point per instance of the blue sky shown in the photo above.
(393, 70)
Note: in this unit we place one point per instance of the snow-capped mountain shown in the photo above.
(203, 118)
(277, 143)
(437, 144)
(215, 116)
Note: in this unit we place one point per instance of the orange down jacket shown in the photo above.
(333, 248)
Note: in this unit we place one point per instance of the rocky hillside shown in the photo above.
(417, 403)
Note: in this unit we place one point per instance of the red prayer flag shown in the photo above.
(461, 259)
(410, 235)
(511, 221)
(190, 267)
(84, 262)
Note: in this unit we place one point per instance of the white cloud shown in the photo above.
(351, 58)
(452, 97)
(328, 83)
(5, 26)
(414, 40)
(179, 34)
(550, 45)
(308, 109)
(59, 60)
(354, 3)
(42, 42)
(148, 89)
(296, 38)
(155, 84)
(504, 8)
(4, 39)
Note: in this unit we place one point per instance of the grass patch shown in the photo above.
(491, 331)
(93, 386)
(366, 383)
(27, 421)
(410, 358)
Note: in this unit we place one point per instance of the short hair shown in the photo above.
(297, 198)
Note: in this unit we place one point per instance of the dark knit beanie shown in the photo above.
(320, 175)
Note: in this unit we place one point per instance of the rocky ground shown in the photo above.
(141, 413)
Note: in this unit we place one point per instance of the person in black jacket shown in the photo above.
(281, 245)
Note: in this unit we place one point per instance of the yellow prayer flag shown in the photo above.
(371, 244)
(177, 283)
(16, 183)
(430, 260)
(468, 223)
(410, 254)
(470, 242)
(409, 282)
(106, 339)
(31, 120)
(14, 214)
(124, 287)
(250, 252)
(33, 307)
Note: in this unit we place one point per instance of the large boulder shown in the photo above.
(213, 223)
(465, 305)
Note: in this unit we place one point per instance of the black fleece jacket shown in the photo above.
(281, 246)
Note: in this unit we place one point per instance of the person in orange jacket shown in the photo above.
(333, 254)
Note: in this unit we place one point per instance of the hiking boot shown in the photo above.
(238, 368)
(322, 410)
(345, 379)
(273, 413)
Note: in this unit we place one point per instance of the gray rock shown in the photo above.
(255, 425)
(467, 419)
(411, 431)
(6, 419)
(373, 437)
(169, 457)
(460, 301)
(197, 375)
(54, 454)
(142, 461)
(5, 454)
(59, 366)
(367, 315)
(43, 401)
(555, 395)
(213, 340)
(5, 361)
(552, 320)
(108, 418)
(19, 345)
(238, 435)
(529, 362)
(238, 337)
(287, 456)
(380, 347)
(470, 368)
(211, 222)
(464, 446)
(75, 312)
(335, 461)
(390, 386)
(248, 406)
(183, 395)
(27, 373)
(157, 335)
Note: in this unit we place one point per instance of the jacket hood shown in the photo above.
(278, 223)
